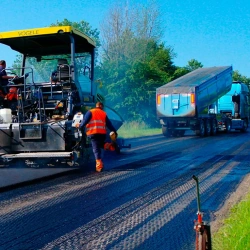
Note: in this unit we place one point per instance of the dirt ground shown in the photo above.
(237, 196)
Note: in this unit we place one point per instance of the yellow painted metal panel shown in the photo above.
(35, 32)
(16, 34)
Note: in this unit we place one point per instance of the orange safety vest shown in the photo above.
(97, 123)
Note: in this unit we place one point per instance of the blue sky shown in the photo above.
(215, 32)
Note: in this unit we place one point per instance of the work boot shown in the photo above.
(99, 165)
(109, 146)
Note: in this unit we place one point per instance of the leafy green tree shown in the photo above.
(193, 65)
(131, 82)
(180, 71)
(238, 77)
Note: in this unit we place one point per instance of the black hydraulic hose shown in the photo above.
(198, 193)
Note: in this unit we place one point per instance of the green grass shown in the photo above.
(235, 232)
(136, 129)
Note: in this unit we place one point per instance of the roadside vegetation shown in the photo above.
(137, 129)
(234, 234)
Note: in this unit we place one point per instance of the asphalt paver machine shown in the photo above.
(39, 121)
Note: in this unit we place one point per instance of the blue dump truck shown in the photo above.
(205, 100)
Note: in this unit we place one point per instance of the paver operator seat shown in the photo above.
(62, 73)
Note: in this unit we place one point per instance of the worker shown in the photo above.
(4, 78)
(96, 121)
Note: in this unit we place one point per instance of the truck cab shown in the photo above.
(235, 106)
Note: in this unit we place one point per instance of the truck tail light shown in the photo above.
(158, 99)
(192, 98)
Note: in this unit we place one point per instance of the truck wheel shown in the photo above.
(207, 128)
(228, 126)
(213, 127)
(202, 128)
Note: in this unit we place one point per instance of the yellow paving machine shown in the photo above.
(53, 89)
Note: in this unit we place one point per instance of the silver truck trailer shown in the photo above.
(191, 102)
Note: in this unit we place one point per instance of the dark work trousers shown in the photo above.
(97, 141)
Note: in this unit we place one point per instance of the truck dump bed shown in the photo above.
(190, 94)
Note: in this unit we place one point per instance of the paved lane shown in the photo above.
(145, 199)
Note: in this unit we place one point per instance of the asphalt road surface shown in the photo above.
(145, 198)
